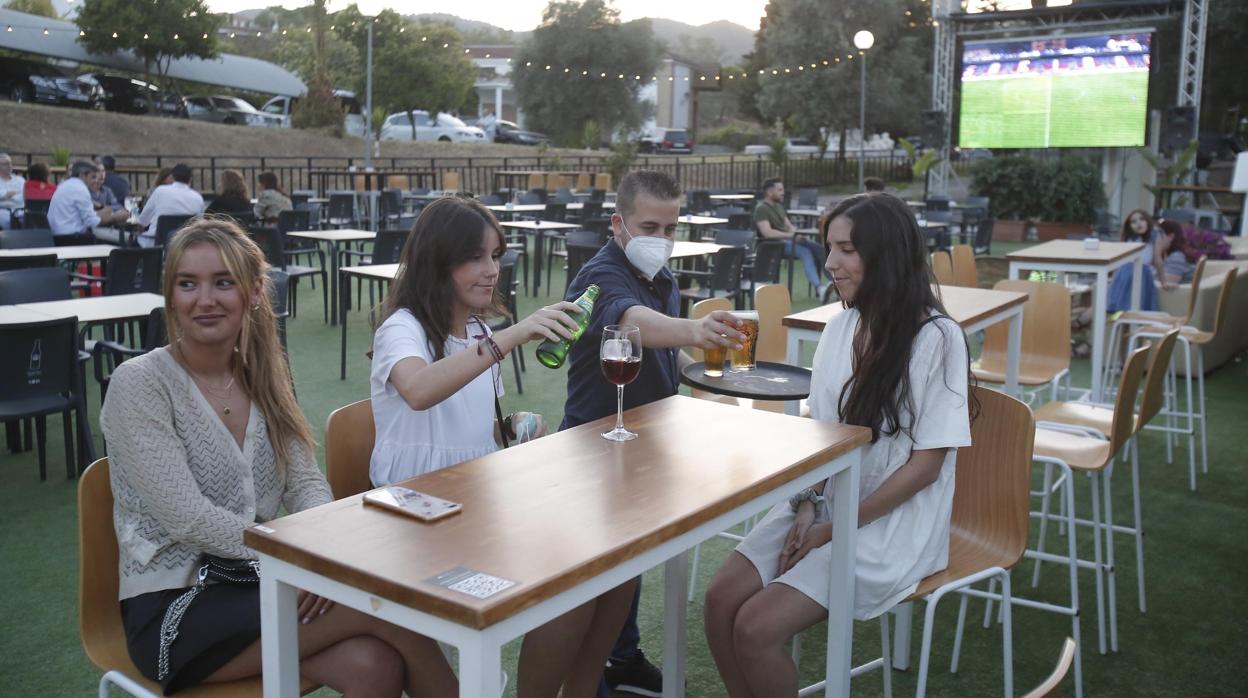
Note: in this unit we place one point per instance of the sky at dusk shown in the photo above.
(522, 15)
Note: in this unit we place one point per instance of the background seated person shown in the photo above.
(772, 223)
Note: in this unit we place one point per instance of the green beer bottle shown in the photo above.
(553, 354)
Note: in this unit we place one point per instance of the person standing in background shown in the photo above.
(12, 188)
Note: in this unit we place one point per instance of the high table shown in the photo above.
(1070, 256)
(808, 215)
(684, 249)
(380, 272)
(694, 222)
(67, 253)
(972, 308)
(538, 230)
(553, 523)
(334, 238)
(97, 309)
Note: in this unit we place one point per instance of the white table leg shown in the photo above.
(279, 638)
(901, 636)
(1099, 304)
(480, 669)
(792, 348)
(1013, 350)
(1137, 276)
(841, 586)
(675, 628)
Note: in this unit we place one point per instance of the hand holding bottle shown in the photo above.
(556, 322)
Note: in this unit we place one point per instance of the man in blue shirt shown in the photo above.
(637, 289)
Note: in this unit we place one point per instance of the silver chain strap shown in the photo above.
(173, 619)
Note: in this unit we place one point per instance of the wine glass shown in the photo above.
(621, 362)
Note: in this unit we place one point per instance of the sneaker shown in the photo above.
(637, 676)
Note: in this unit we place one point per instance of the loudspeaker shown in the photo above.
(1178, 128)
(933, 129)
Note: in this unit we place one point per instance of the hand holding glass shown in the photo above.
(621, 362)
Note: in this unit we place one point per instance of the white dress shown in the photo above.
(902, 547)
(412, 442)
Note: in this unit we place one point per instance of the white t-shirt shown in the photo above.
(899, 549)
(412, 442)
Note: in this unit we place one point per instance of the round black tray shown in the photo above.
(769, 381)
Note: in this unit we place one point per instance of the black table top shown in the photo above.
(769, 381)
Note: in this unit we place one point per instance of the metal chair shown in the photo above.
(34, 285)
(808, 198)
(765, 268)
(724, 278)
(507, 286)
(341, 210)
(585, 239)
(982, 243)
(35, 219)
(273, 242)
(167, 226)
(106, 354)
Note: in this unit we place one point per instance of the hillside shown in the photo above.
(38, 129)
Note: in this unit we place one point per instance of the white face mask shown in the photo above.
(647, 253)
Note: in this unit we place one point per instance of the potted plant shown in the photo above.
(1055, 198)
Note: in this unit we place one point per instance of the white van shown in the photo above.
(354, 124)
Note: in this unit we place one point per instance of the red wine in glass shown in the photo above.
(621, 371)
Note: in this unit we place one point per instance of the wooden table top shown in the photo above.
(556, 511)
(685, 248)
(344, 235)
(372, 271)
(1073, 252)
(702, 220)
(100, 308)
(65, 253)
(966, 306)
(14, 314)
(538, 225)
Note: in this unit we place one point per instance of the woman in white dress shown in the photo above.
(434, 382)
(892, 361)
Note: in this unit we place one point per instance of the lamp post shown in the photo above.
(863, 40)
(369, 9)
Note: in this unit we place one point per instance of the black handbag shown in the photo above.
(214, 570)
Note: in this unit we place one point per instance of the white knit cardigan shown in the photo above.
(181, 486)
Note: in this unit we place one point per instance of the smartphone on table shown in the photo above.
(418, 505)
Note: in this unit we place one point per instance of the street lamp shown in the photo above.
(369, 9)
(863, 40)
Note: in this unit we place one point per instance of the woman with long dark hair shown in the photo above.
(434, 382)
(1138, 226)
(1175, 258)
(233, 197)
(892, 361)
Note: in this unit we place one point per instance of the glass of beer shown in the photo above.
(743, 358)
(713, 364)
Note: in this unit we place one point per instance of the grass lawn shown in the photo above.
(1191, 642)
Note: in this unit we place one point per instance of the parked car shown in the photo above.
(446, 128)
(128, 95)
(354, 123)
(508, 132)
(666, 140)
(792, 146)
(220, 109)
(29, 81)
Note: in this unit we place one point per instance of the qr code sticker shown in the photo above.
(481, 585)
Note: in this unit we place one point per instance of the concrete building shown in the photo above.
(494, 89)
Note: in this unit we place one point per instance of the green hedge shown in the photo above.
(1063, 190)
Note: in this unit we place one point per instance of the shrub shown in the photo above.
(731, 136)
(60, 156)
(319, 109)
(620, 161)
(1065, 190)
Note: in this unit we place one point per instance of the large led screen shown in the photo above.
(1055, 92)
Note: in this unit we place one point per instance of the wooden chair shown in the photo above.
(1101, 420)
(1045, 353)
(772, 303)
(1189, 337)
(988, 527)
(398, 182)
(1132, 319)
(99, 613)
(1049, 686)
(584, 181)
(942, 268)
(349, 437)
(1079, 449)
(964, 273)
(554, 181)
(450, 182)
(602, 180)
(537, 181)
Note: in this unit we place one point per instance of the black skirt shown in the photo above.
(221, 622)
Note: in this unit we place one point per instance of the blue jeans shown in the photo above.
(626, 644)
(808, 251)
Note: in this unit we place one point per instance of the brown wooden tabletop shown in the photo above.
(1073, 252)
(555, 512)
(966, 306)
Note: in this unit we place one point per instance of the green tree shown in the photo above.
(42, 8)
(588, 40)
(319, 108)
(157, 32)
(415, 66)
(343, 64)
(800, 32)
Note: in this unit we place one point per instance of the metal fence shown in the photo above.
(477, 174)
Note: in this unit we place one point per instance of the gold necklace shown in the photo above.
(228, 390)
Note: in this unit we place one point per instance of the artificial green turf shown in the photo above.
(1191, 642)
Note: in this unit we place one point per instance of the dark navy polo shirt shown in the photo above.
(590, 396)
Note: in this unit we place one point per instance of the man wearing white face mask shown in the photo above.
(638, 289)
